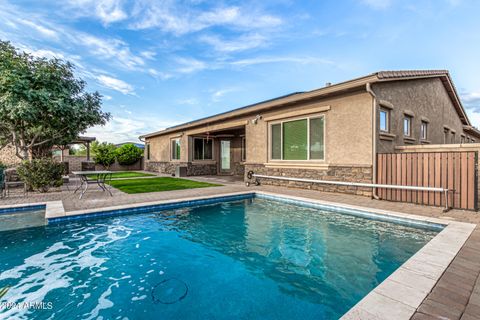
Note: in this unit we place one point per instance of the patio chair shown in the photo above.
(11, 180)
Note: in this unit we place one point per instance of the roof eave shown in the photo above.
(305, 96)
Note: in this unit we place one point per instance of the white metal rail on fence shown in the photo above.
(251, 175)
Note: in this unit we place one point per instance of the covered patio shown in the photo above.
(222, 151)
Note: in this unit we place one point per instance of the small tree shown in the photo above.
(42, 103)
(129, 154)
(105, 154)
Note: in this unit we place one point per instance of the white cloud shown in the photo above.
(107, 11)
(241, 43)
(474, 117)
(148, 54)
(158, 74)
(190, 65)
(263, 60)
(111, 49)
(189, 101)
(116, 84)
(181, 19)
(44, 31)
(120, 129)
(471, 100)
(217, 95)
(378, 4)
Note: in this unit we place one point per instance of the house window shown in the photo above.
(445, 135)
(407, 126)
(175, 149)
(423, 130)
(244, 149)
(384, 120)
(462, 138)
(148, 151)
(453, 137)
(301, 139)
(202, 149)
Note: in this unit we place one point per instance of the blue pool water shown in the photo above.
(247, 259)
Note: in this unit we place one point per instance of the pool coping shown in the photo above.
(397, 297)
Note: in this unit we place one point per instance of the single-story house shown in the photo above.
(333, 132)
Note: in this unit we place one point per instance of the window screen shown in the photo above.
(176, 149)
(295, 140)
(276, 141)
(316, 139)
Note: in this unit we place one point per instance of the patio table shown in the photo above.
(100, 177)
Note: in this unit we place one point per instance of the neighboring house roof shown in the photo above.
(381, 76)
(138, 145)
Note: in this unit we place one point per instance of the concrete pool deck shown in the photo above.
(454, 293)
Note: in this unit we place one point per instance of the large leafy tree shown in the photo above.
(42, 103)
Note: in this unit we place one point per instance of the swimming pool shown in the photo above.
(22, 217)
(249, 258)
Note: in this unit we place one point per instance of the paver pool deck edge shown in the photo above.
(398, 296)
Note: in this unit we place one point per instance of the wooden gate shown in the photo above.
(456, 171)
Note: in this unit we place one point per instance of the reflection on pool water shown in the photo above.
(245, 259)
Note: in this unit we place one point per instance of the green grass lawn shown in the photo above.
(132, 186)
(126, 174)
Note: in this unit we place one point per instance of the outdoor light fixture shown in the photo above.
(255, 120)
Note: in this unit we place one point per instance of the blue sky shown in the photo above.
(160, 63)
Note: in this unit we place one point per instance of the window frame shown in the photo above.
(446, 134)
(387, 120)
(147, 147)
(423, 130)
(281, 122)
(243, 150)
(409, 119)
(179, 141)
(453, 137)
(203, 149)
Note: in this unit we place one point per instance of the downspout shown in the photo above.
(374, 140)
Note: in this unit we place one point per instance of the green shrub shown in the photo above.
(41, 174)
(128, 154)
(105, 154)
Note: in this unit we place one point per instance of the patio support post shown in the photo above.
(88, 151)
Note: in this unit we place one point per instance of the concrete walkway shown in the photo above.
(455, 296)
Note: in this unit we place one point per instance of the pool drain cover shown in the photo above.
(169, 291)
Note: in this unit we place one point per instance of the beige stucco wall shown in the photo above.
(348, 132)
(424, 98)
(348, 139)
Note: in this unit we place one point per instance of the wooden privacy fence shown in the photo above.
(456, 171)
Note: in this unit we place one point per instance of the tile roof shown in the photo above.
(388, 75)
(410, 73)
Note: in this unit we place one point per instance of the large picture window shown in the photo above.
(176, 149)
(202, 149)
(301, 139)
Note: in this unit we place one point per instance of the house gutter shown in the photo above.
(374, 140)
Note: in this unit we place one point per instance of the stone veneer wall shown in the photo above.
(192, 169)
(8, 156)
(336, 173)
